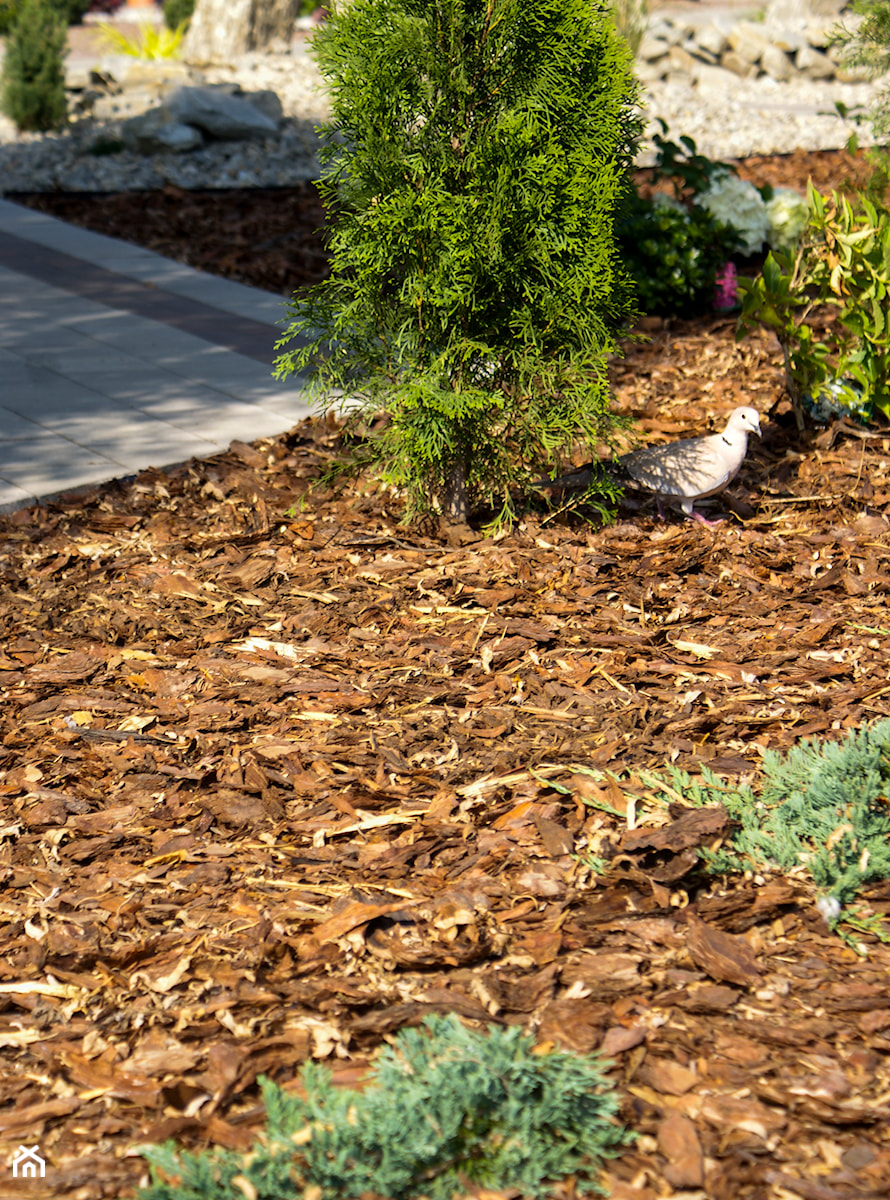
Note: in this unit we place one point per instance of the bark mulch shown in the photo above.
(280, 776)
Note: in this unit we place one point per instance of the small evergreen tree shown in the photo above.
(869, 46)
(32, 86)
(476, 154)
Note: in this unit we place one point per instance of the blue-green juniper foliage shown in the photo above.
(446, 1108)
(822, 806)
(476, 155)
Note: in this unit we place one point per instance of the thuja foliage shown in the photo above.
(446, 1108)
(32, 85)
(868, 46)
(473, 163)
(823, 806)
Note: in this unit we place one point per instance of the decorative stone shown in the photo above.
(229, 118)
(776, 64)
(819, 34)
(748, 40)
(651, 72)
(159, 74)
(813, 63)
(124, 103)
(681, 60)
(713, 39)
(266, 101)
(714, 81)
(652, 48)
(785, 39)
(700, 54)
(156, 131)
(665, 30)
(738, 65)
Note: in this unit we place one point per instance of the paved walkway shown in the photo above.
(114, 359)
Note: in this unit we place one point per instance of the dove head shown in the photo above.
(743, 421)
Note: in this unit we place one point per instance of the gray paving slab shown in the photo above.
(126, 258)
(114, 359)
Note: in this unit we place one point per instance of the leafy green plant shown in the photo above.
(446, 1108)
(673, 254)
(689, 172)
(152, 42)
(32, 84)
(840, 276)
(473, 164)
(672, 248)
(178, 13)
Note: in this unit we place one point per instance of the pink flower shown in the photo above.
(726, 292)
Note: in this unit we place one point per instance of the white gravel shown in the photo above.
(761, 116)
(753, 117)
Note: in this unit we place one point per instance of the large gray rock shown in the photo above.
(229, 118)
(156, 132)
(266, 101)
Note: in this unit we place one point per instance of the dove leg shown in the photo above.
(696, 516)
(660, 503)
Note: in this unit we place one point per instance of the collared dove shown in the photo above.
(680, 473)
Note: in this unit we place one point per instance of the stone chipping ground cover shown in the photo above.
(280, 776)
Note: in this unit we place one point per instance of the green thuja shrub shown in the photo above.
(446, 1108)
(475, 156)
(8, 11)
(32, 84)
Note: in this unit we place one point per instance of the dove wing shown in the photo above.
(691, 469)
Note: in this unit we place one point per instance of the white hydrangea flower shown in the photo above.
(787, 215)
(737, 203)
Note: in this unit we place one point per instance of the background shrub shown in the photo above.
(69, 11)
(32, 85)
(178, 11)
